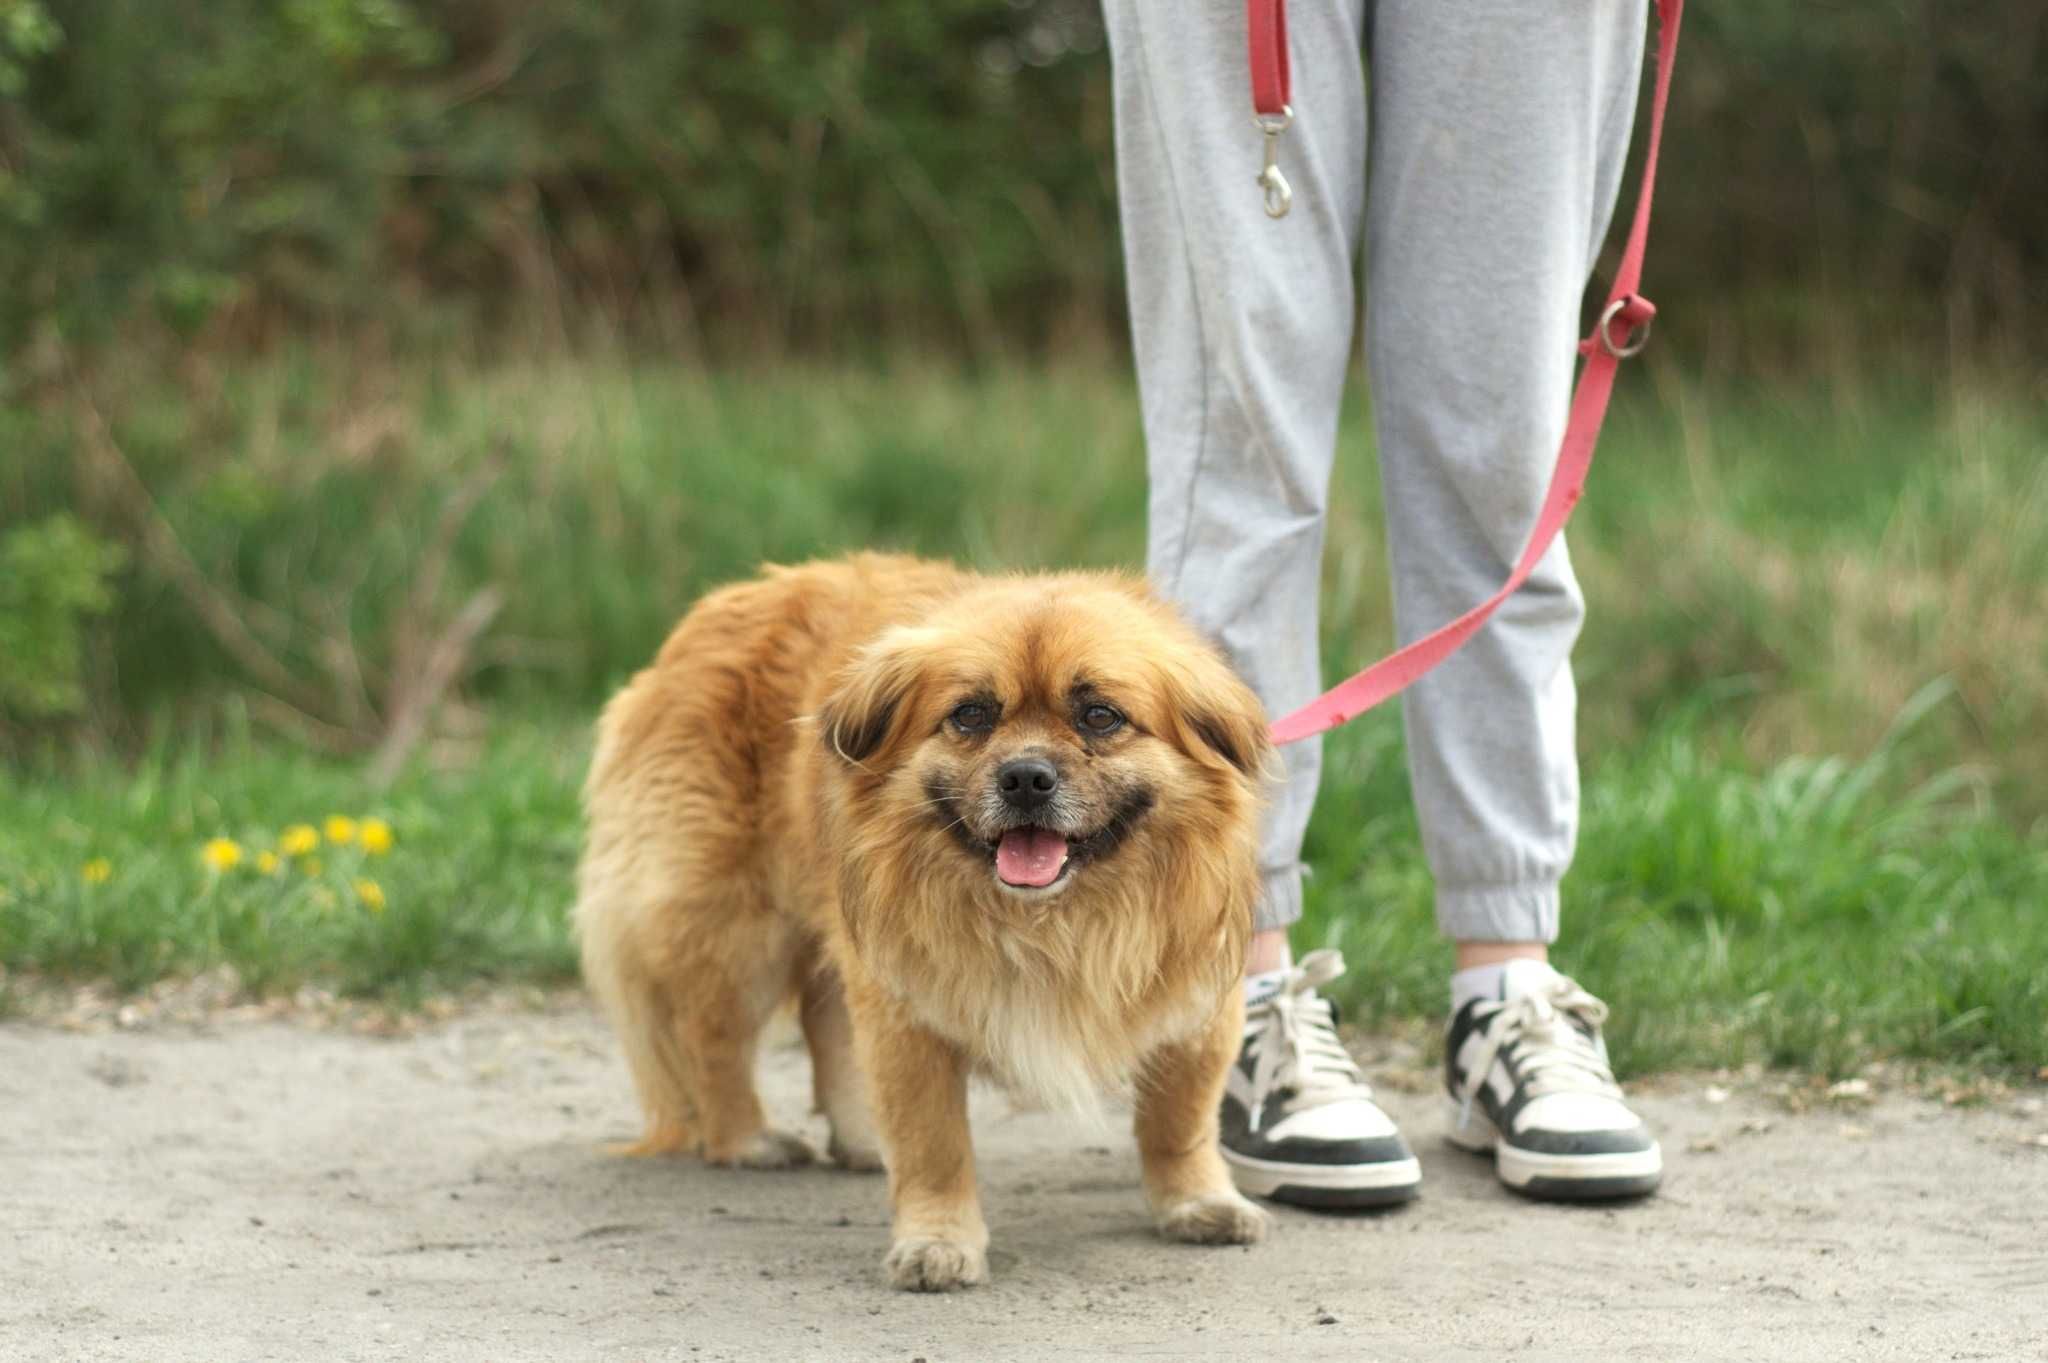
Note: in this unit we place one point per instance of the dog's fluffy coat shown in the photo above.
(799, 798)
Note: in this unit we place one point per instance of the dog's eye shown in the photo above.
(974, 717)
(1102, 719)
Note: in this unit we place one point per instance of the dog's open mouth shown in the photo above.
(1031, 858)
(1028, 857)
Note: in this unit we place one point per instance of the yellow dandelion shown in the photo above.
(372, 895)
(311, 866)
(298, 840)
(98, 871)
(267, 863)
(376, 836)
(340, 829)
(221, 854)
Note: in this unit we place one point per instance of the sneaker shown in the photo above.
(1529, 1080)
(1299, 1124)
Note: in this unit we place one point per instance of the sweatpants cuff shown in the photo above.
(1279, 898)
(1499, 913)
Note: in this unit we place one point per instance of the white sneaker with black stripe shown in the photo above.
(1529, 1081)
(1299, 1123)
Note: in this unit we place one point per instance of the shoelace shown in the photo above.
(1297, 1050)
(1558, 1057)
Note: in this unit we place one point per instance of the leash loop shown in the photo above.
(1604, 350)
(1279, 194)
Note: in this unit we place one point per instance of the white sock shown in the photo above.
(1262, 986)
(1502, 980)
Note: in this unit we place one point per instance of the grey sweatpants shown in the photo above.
(1478, 173)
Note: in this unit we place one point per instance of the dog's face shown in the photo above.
(1047, 739)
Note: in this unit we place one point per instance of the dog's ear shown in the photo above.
(865, 711)
(1220, 719)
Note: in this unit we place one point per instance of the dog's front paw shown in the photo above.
(766, 1149)
(928, 1263)
(1223, 1218)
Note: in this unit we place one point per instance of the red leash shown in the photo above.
(1267, 21)
(1614, 339)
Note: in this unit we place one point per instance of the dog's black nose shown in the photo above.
(1026, 783)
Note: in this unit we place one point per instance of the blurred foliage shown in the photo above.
(244, 162)
(1814, 554)
(53, 574)
(796, 172)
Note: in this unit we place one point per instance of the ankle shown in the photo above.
(1471, 955)
(1267, 952)
(1501, 979)
(1482, 966)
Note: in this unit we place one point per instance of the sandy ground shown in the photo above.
(266, 1190)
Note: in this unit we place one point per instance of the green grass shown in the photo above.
(474, 886)
(1855, 570)
(1809, 914)
(1816, 913)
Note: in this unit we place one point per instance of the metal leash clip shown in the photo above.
(1279, 195)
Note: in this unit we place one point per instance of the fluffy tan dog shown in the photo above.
(994, 825)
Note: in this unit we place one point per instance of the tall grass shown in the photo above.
(1852, 570)
(1817, 912)
(1815, 557)
(1798, 915)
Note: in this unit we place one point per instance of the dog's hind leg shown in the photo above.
(642, 1015)
(688, 997)
(725, 987)
(659, 1076)
(835, 1072)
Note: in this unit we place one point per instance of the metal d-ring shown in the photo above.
(1638, 338)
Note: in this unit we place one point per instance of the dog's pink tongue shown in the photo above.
(1030, 856)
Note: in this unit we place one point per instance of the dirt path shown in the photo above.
(270, 1191)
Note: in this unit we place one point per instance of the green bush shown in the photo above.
(238, 161)
(803, 172)
(53, 574)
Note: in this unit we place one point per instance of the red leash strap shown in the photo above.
(1266, 27)
(1614, 339)
(1267, 22)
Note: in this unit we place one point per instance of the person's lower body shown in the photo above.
(1477, 173)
